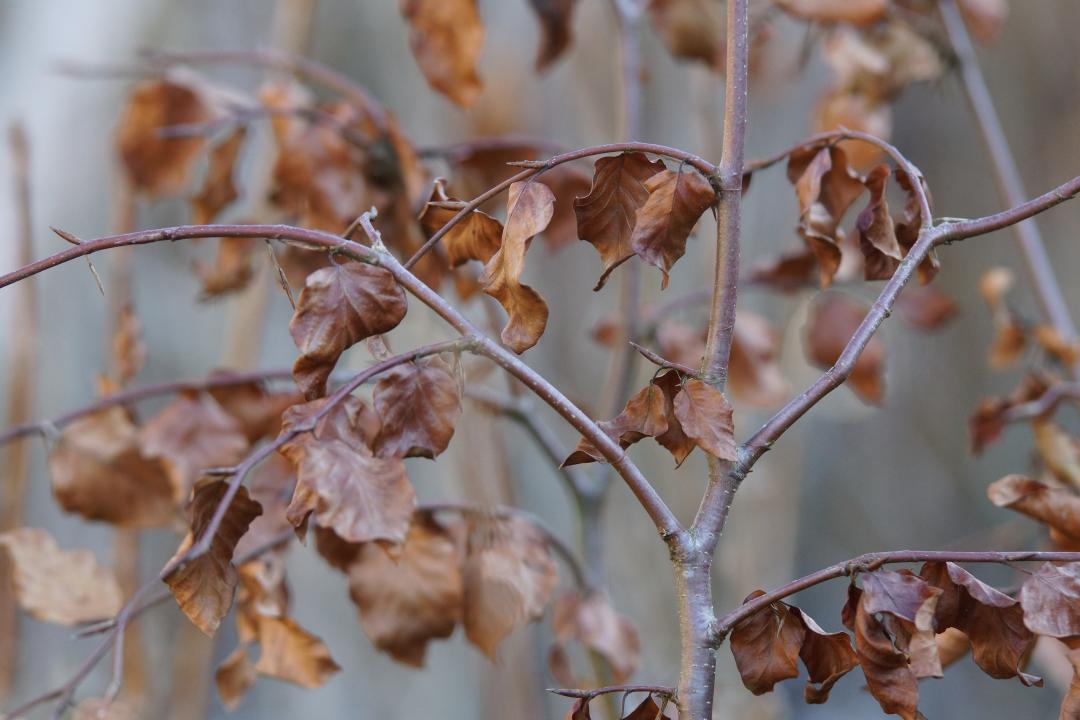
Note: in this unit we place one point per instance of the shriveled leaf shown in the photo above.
(219, 188)
(231, 270)
(340, 306)
(827, 657)
(204, 586)
(766, 646)
(1056, 507)
(643, 416)
(555, 18)
(706, 417)
(256, 410)
(234, 677)
(58, 586)
(606, 216)
(418, 404)
(854, 12)
(128, 348)
(984, 18)
(1064, 350)
(446, 38)
(509, 576)
(649, 709)
(786, 273)
(529, 210)
(910, 225)
(477, 237)
(340, 484)
(1051, 600)
(927, 307)
(851, 108)
(877, 234)
(753, 373)
(674, 439)
(834, 318)
(1058, 450)
(291, 653)
(1070, 705)
(191, 434)
(98, 471)
(690, 29)
(408, 601)
(593, 622)
(663, 224)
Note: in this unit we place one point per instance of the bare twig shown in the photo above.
(659, 361)
(661, 690)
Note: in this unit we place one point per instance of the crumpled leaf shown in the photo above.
(446, 37)
(753, 373)
(234, 677)
(509, 577)
(1055, 507)
(340, 306)
(340, 484)
(690, 29)
(59, 586)
(877, 234)
(407, 601)
(418, 404)
(854, 12)
(927, 307)
(705, 416)
(988, 421)
(555, 18)
(1070, 705)
(827, 657)
(291, 653)
(1051, 600)
(128, 348)
(191, 434)
(1058, 450)
(477, 237)
(99, 472)
(593, 622)
(529, 210)
(833, 320)
(643, 416)
(606, 216)
(218, 189)
(204, 586)
(231, 270)
(256, 411)
(663, 224)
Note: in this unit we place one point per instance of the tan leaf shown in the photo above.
(855, 12)
(984, 18)
(256, 411)
(879, 62)
(555, 18)
(58, 586)
(1058, 450)
(926, 307)
(231, 270)
(753, 373)
(766, 646)
(691, 29)
(128, 348)
(827, 657)
(910, 225)
(786, 273)
(606, 216)
(1051, 600)
(293, 654)
(643, 416)
(663, 224)
(849, 108)
(98, 709)
(834, 318)
(446, 38)
(1061, 349)
(509, 576)
(204, 586)
(705, 416)
(1056, 507)
(674, 439)
(592, 621)
(418, 404)
(877, 234)
(406, 602)
(191, 434)
(1070, 705)
(340, 306)
(529, 210)
(952, 645)
(234, 677)
(98, 472)
(340, 483)
(477, 237)
(218, 189)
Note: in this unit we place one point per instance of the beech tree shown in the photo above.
(251, 462)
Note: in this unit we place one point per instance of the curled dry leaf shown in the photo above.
(529, 210)
(594, 623)
(1070, 705)
(128, 348)
(446, 37)
(663, 224)
(234, 677)
(509, 577)
(231, 270)
(827, 657)
(786, 273)
(340, 484)
(191, 434)
(271, 485)
(606, 216)
(877, 234)
(58, 586)
(204, 586)
(1061, 349)
(649, 709)
(690, 29)
(834, 318)
(341, 305)
(853, 12)
(418, 404)
(643, 416)
(1051, 600)
(753, 374)
(477, 237)
(291, 653)
(555, 18)
(256, 411)
(1058, 450)
(1056, 507)
(99, 472)
(705, 416)
(910, 224)
(407, 601)
(853, 109)
(218, 189)
(99, 709)
(926, 307)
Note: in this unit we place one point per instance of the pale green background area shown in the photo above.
(849, 479)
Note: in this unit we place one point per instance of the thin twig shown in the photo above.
(659, 361)
(661, 690)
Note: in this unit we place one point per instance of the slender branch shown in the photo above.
(1041, 273)
(662, 362)
(1046, 402)
(951, 232)
(661, 690)
(871, 561)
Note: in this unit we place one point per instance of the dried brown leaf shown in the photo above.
(753, 372)
(219, 188)
(877, 234)
(766, 646)
(418, 404)
(446, 37)
(555, 18)
(926, 307)
(128, 348)
(1051, 600)
(834, 318)
(234, 677)
(231, 270)
(663, 224)
(854, 12)
(691, 29)
(477, 237)
(593, 622)
(293, 654)
(1056, 507)
(706, 418)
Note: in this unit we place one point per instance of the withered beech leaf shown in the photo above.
(1058, 450)
(706, 417)
(877, 234)
(833, 320)
(340, 484)
(992, 621)
(854, 12)
(1051, 600)
(234, 677)
(271, 485)
(100, 709)
(827, 657)
(529, 210)
(418, 404)
(690, 29)
(674, 439)
(340, 306)
(910, 225)
(1056, 507)
(766, 646)
(231, 269)
(191, 434)
(128, 348)
(407, 601)
(509, 577)
(927, 307)
(291, 653)
(984, 18)
(59, 586)
(555, 18)
(1059, 348)
(1070, 705)
(606, 216)
(663, 224)
(643, 416)
(786, 273)
(648, 709)
(204, 587)
(218, 189)
(477, 237)
(446, 37)
(257, 411)
(98, 471)
(593, 622)
(753, 373)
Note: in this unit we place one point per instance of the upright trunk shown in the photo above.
(697, 666)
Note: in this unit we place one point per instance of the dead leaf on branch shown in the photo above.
(418, 405)
(663, 224)
(877, 234)
(446, 37)
(477, 237)
(231, 270)
(256, 410)
(753, 372)
(219, 188)
(291, 653)
(555, 17)
(834, 318)
(926, 307)
(593, 622)
(706, 418)
(234, 677)
(1051, 600)
(58, 586)
(643, 416)
(128, 348)
(340, 306)
(690, 29)
(1056, 507)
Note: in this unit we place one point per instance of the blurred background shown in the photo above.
(848, 479)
